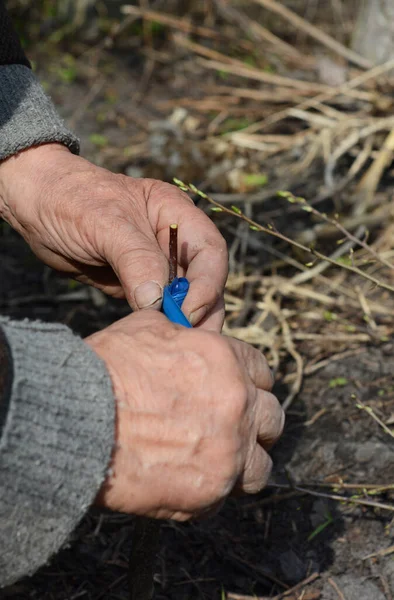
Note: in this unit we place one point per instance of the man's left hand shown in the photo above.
(112, 231)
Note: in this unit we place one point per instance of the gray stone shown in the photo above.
(293, 568)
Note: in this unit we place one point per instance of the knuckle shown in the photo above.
(220, 243)
(217, 484)
(274, 416)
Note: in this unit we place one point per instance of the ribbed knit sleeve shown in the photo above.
(55, 443)
(27, 115)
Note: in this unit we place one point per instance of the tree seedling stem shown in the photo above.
(173, 251)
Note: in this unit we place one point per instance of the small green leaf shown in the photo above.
(193, 188)
(321, 527)
(329, 316)
(178, 182)
(254, 228)
(222, 74)
(216, 209)
(344, 260)
(255, 179)
(338, 382)
(98, 139)
(202, 194)
(284, 194)
(237, 210)
(307, 208)
(72, 284)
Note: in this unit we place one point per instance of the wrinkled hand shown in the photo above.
(112, 231)
(194, 417)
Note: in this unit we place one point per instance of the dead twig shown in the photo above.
(346, 88)
(370, 412)
(287, 594)
(322, 266)
(383, 552)
(370, 181)
(315, 32)
(260, 33)
(289, 344)
(336, 588)
(337, 497)
(234, 67)
(170, 21)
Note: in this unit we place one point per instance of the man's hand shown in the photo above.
(112, 231)
(194, 417)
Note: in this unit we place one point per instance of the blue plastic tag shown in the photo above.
(173, 297)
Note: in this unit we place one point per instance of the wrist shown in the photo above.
(21, 179)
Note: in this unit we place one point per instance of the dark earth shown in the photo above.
(258, 546)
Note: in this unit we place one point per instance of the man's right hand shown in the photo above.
(195, 417)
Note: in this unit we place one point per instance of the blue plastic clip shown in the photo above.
(173, 297)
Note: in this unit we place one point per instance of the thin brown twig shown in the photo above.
(322, 266)
(335, 223)
(273, 232)
(173, 251)
(281, 596)
(383, 552)
(336, 588)
(290, 347)
(370, 412)
(337, 497)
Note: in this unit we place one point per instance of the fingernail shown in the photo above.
(198, 315)
(148, 294)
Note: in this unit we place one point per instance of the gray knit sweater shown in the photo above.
(56, 399)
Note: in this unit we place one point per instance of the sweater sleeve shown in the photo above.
(27, 116)
(56, 438)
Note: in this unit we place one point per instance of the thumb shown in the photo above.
(141, 267)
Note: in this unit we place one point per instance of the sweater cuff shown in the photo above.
(27, 115)
(56, 443)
